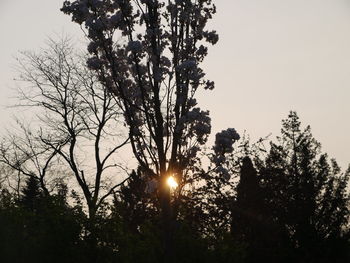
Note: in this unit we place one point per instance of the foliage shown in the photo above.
(305, 192)
(38, 227)
(289, 205)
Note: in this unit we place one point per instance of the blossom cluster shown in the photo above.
(224, 141)
(147, 53)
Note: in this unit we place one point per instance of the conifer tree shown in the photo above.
(31, 194)
(252, 224)
(305, 192)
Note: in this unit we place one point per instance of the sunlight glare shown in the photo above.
(171, 182)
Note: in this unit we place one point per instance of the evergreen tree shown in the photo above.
(252, 223)
(247, 209)
(31, 194)
(136, 202)
(39, 228)
(306, 192)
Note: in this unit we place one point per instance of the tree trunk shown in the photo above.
(92, 237)
(167, 221)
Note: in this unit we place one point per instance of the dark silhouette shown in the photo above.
(289, 205)
(252, 224)
(306, 194)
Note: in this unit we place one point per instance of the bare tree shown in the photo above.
(78, 120)
(24, 155)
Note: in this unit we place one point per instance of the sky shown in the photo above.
(273, 56)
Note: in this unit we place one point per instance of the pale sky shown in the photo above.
(273, 56)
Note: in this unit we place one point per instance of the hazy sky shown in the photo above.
(273, 56)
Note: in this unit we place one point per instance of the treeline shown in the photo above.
(287, 204)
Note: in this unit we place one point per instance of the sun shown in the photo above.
(171, 182)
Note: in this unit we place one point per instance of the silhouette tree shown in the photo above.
(154, 72)
(305, 192)
(136, 203)
(252, 223)
(31, 194)
(23, 154)
(79, 121)
(39, 228)
(133, 224)
(248, 210)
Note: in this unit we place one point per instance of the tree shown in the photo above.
(38, 227)
(134, 203)
(252, 224)
(153, 71)
(248, 210)
(78, 120)
(31, 194)
(132, 224)
(22, 154)
(306, 193)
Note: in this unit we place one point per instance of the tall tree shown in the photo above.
(148, 54)
(79, 124)
(305, 191)
(252, 224)
(248, 207)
